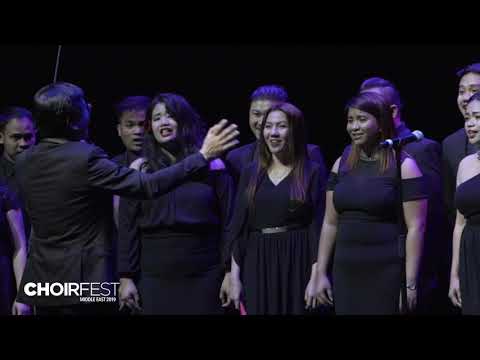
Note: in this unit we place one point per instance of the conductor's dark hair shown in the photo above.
(58, 108)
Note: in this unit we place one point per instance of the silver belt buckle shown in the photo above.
(274, 230)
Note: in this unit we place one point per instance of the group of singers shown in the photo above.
(189, 223)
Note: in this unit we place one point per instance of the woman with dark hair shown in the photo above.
(362, 220)
(279, 209)
(176, 241)
(464, 289)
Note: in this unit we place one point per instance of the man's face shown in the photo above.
(469, 85)
(131, 129)
(18, 135)
(258, 109)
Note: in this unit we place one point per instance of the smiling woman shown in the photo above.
(472, 119)
(464, 286)
(278, 212)
(361, 221)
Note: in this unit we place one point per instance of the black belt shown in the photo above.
(280, 229)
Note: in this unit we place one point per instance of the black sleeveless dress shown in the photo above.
(467, 200)
(368, 264)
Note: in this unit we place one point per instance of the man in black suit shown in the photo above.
(433, 281)
(17, 134)
(261, 101)
(68, 185)
(456, 146)
(131, 114)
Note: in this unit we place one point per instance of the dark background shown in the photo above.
(218, 79)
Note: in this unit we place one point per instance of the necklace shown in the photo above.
(365, 157)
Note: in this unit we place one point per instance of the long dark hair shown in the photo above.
(373, 104)
(296, 153)
(190, 131)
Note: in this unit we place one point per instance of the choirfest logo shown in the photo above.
(87, 292)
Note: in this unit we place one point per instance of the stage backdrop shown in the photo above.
(218, 79)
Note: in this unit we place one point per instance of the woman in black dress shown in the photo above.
(279, 209)
(176, 241)
(465, 271)
(361, 220)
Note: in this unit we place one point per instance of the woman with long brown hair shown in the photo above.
(279, 208)
(362, 220)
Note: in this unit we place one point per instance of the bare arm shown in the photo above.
(457, 234)
(235, 284)
(319, 289)
(329, 230)
(415, 213)
(454, 289)
(457, 231)
(327, 235)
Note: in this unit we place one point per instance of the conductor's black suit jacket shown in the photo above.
(68, 190)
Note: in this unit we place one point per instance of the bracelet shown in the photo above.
(412, 287)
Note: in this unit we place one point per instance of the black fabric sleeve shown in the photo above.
(316, 156)
(414, 189)
(10, 199)
(128, 238)
(239, 225)
(332, 181)
(225, 192)
(105, 174)
(317, 193)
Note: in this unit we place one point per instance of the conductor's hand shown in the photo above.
(128, 295)
(219, 139)
(225, 291)
(139, 164)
